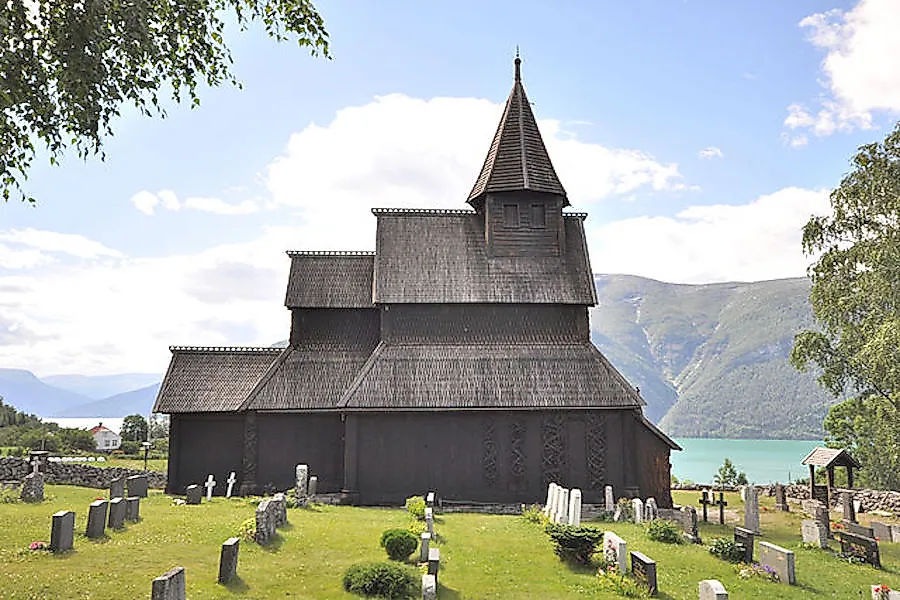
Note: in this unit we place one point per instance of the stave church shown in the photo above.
(455, 357)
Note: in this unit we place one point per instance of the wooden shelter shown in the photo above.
(455, 357)
(828, 458)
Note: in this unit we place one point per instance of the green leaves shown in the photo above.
(67, 67)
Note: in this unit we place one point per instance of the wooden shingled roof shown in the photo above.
(489, 376)
(517, 159)
(440, 256)
(330, 280)
(211, 379)
(830, 457)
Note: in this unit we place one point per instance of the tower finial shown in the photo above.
(518, 63)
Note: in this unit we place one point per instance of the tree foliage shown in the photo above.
(728, 475)
(134, 429)
(69, 67)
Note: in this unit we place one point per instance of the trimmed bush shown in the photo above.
(416, 507)
(667, 532)
(574, 544)
(381, 580)
(399, 543)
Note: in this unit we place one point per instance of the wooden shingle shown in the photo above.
(330, 280)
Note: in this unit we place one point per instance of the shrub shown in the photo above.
(417, 528)
(247, 531)
(574, 544)
(755, 570)
(726, 550)
(416, 507)
(626, 509)
(381, 580)
(534, 514)
(667, 532)
(9, 495)
(399, 543)
(130, 447)
(613, 581)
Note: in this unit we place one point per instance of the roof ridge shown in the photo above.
(329, 253)
(422, 211)
(224, 349)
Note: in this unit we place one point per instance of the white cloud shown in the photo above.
(146, 202)
(860, 75)
(220, 207)
(701, 244)
(66, 243)
(711, 152)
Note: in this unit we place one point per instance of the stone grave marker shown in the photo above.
(425, 543)
(265, 523)
(210, 485)
(615, 550)
(744, 539)
(721, 503)
(743, 491)
(434, 562)
(643, 569)
(429, 520)
(751, 509)
(847, 506)
(301, 477)
(686, 516)
(117, 488)
(857, 506)
(609, 499)
(137, 485)
(429, 587)
(231, 481)
(882, 531)
(228, 559)
(96, 521)
(62, 532)
(133, 508)
(313, 485)
(33, 487)
(779, 559)
(549, 503)
(895, 534)
(822, 518)
(170, 586)
(868, 545)
(712, 589)
(857, 529)
(279, 505)
(429, 499)
(705, 501)
(575, 507)
(637, 507)
(562, 506)
(651, 510)
(193, 494)
(814, 533)
(116, 513)
(781, 499)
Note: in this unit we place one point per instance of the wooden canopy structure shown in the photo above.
(830, 458)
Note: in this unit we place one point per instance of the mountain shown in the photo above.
(711, 360)
(102, 386)
(138, 401)
(29, 394)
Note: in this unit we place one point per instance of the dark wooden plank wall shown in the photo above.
(202, 445)
(525, 238)
(286, 440)
(356, 327)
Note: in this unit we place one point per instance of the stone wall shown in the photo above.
(12, 468)
(870, 499)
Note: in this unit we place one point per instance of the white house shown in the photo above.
(105, 438)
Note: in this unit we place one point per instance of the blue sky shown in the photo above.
(700, 136)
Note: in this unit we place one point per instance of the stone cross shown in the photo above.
(209, 485)
(231, 481)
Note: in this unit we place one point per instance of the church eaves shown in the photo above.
(517, 159)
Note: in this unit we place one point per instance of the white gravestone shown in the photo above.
(712, 589)
(651, 510)
(302, 476)
(615, 550)
(751, 509)
(429, 520)
(36, 465)
(610, 499)
(547, 504)
(562, 512)
(209, 485)
(637, 506)
(231, 481)
(575, 507)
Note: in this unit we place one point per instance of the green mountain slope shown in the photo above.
(711, 360)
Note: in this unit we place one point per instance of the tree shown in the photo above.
(728, 475)
(134, 429)
(68, 67)
(855, 297)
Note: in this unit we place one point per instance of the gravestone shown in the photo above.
(33, 488)
(137, 486)
(133, 508)
(637, 507)
(429, 587)
(644, 572)
(686, 516)
(117, 488)
(429, 499)
(551, 500)
(651, 510)
(96, 521)
(814, 533)
(847, 506)
(170, 586)
(231, 481)
(882, 531)
(712, 589)
(721, 503)
(781, 498)
(895, 534)
(780, 560)
(265, 523)
(751, 509)
(822, 517)
(743, 538)
(210, 485)
(615, 550)
(301, 479)
(313, 485)
(426, 543)
(429, 520)
(857, 506)
(117, 513)
(705, 501)
(609, 499)
(868, 546)
(857, 529)
(883, 592)
(279, 505)
(434, 562)
(193, 494)
(575, 507)
(228, 559)
(562, 506)
(809, 506)
(62, 532)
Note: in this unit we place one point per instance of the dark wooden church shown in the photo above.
(456, 357)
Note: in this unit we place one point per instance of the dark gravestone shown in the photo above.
(62, 533)
(743, 538)
(171, 586)
(434, 562)
(644, 571)
(705, 501)
(780, 498)
(821, 515)
(721, 503)
(820, 493)
(33, 488)
(96, 521)
(857, 529)
(137, 486)
(860, 545)
(133, 508)
(194, 494)
(117, 488)
(847, 505)
(229, 559)
(882, 531)
(117, 513)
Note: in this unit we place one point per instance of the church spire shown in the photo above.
(517, 159)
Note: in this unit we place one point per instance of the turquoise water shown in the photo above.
(764, 461)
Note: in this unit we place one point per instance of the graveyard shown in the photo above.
(481, 555)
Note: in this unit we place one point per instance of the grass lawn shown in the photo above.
(483, 556)
(153, 464)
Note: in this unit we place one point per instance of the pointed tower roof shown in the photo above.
(517, 159)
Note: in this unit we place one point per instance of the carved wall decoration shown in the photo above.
(553, 449)
(251, 450)
(489, 453)
(517, 452)
(596, 450)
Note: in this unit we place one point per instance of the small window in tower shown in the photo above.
(510, 215)
(538, 216)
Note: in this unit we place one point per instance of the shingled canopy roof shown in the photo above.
(440, 256)
(517, 159)
(330, 280)
(830, 457)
